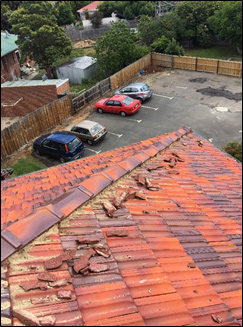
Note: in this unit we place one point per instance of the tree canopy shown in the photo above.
(39, 36)
(116, 49)
(227, 21)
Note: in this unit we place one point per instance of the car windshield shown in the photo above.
(128, 101)
(73, 144)
(145, 88)
(95, 129)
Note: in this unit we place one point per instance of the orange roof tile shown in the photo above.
(170, 257)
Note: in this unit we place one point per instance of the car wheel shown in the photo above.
(140, 100)
(62, 160)
(90, 142)
(123, 114)
(100, 111)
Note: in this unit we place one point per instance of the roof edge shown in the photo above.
(22, 232)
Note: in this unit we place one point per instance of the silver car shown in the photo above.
(88, 131)
(138, 91)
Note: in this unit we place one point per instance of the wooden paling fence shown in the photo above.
(34, 124)
(218, 66)
(92, 94)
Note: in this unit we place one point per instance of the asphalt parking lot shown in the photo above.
(208, 103)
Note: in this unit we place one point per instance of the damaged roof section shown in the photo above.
(155, 242)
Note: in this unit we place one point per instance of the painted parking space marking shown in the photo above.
(118, 135)
(138, 121)
(97, 152)
(210, 140)
(150, 108)
(182, 87)
(163, 96)
(240, 131)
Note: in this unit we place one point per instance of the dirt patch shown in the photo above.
(221, 93)
(84, 44)
(198, 80)
(153, 69)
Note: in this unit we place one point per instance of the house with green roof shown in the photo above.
(10, 69)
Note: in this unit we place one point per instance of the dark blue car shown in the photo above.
(59, 145)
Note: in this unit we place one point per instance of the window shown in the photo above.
(17, 54)
(55, 145)
(73, 144)
(12, 54)
(117, 104)
(126, 90)
(145, 88)
(109, 103)
(48, 143)
(133, 90)
(62, 148)
(127, 101)
(96, 129)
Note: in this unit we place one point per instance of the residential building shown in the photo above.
(10, 69)
(90, 8)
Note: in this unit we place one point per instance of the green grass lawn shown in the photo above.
(217, 52)
(27, 165)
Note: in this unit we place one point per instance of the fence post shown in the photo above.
(218, 66)
(100, 89)
(172, 62)
(196, 64)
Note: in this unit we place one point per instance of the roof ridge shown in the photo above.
(20, 233)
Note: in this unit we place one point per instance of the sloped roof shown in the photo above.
(8, 43)
(168, 253)
(56, 82)
(92, 6)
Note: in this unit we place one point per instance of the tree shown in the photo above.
(227, 21)
(96, 19)
(64, 14)
(160, 44)
(116, 49)
(39, 36)
(174, 48)
(76, 5)
(149, 29)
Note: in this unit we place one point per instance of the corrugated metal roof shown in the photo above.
(81, 62)
(57, 82)
(8, 43)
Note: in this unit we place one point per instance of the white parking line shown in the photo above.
(138, 121)
(97, 152)
(210, 140)
(240, 131)
(150, 107)
(118, 135)
(182, 87)
(163, 96)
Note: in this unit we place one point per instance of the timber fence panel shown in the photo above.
(129, 71)
(207, 65)
(33, 125)
(90, 95)
(160, 59)
(181, 62)
(230, 68)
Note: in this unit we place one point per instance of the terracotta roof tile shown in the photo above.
(173, 255)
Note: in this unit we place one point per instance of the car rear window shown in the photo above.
(145, 88)
(95, 129)
(73, 144)
(127, 101)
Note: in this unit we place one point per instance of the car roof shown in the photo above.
(86, 124)
(61, 137)
(118, 97)
(136, 84)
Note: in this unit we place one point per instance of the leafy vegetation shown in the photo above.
(96, 19)
(27, 165)
(127, 9)
(38, 33)
(234, 149)
(64, 14)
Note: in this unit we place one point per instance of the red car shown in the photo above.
(118, 104)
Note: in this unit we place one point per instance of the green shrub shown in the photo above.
(174, 48)
(234, 149)
(160, 44)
